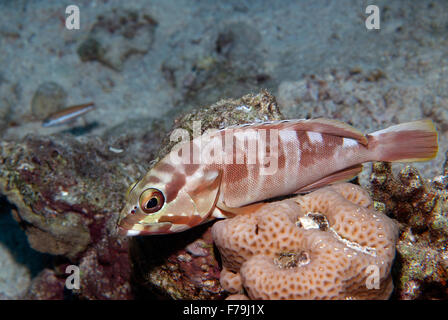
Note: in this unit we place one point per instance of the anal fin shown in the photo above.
(339, 176)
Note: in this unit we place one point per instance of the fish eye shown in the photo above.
(151, 200)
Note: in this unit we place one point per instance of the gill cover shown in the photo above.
(202, 196)
(147, 212)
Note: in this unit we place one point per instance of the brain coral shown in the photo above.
(329, 244)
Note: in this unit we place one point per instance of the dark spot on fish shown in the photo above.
(174, 186)
(236, 172)
(281, 161)
(153, 179)
(165, 167)
(191, 168)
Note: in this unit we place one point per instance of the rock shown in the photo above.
(68, 191)
(9, 97)
(46, 286)
(106, 260)
(162, 266)
(117, 35)
(421, 267)
(232, 67)
(91, 50)
(18, 262)
(48, 98)
(238, 42)
(14, 278)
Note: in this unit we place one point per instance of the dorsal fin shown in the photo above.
(321, 125)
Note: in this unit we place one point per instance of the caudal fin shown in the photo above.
(406, 142)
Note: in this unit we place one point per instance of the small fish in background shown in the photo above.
(311, 154)
(67, 114)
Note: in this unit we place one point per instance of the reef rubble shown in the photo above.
(421, 208)
(65, 192)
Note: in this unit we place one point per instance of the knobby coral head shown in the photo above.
(329, 244)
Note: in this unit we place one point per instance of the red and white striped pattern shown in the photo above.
(303, 154)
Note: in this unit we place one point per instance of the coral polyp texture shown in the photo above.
(329, 244)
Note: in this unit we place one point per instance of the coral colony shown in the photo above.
(323, 245)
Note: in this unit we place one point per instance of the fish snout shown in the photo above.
(145, 229)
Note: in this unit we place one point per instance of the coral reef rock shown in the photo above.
(48, 98)
(14, 278)
(46, 286)
(67, 193)
(421, 207)
(329, 244)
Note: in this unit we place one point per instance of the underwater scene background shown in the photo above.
(150, 66)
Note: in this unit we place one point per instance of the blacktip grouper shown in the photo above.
(240, 166)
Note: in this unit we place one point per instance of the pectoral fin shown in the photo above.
(340, 176)
(206, 193)
(227, 211)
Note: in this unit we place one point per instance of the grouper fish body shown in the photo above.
(239, 167)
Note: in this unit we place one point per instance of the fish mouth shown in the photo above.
(145, 229)
(126, 232)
